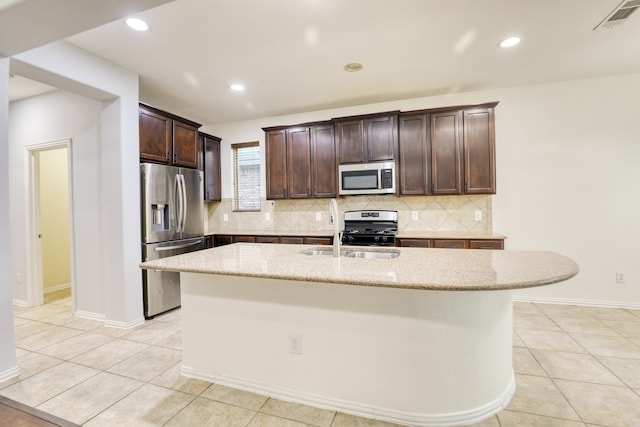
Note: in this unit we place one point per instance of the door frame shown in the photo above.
(35, 288)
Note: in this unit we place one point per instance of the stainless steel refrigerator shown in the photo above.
(172, 224)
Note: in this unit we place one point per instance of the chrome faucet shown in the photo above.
(333, 219)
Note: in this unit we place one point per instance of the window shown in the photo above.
(246, 176)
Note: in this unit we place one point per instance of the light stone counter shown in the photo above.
(404, 345)
(471, 235)
(415, 268)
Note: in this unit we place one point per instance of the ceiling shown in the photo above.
(290, 54)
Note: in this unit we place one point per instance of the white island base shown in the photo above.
(407, 356)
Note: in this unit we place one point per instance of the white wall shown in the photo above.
(114, 184)
(8, 363)
(45, 118)
(566, 175)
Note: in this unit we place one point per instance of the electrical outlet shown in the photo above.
(620, 277)
(225, 217)
(414, 216)
(318, 216)
(295, 344)
(478, 215)
(267, 216)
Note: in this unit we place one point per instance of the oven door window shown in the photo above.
(360, 180)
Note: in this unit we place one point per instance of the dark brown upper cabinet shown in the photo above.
(447, 151)
(300, 162)
(276, 163)
(414, 178)
(368, 138)
(211, 167)
(479, 151)
(323, 165)
(168, 139)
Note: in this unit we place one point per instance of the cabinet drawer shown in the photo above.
(292, 240)
(450, 244)
(317, 240)
(486, 244)
(221, 240)
(245, 239)
(414, 243)
(266, 239)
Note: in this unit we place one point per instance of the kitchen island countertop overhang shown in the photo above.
(414, 268)
(422, 339)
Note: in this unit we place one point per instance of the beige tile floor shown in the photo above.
(575, 366)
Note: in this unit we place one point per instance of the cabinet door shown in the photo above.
(211, 168)
(222, 239)
(486, 244)
(276, 164)
(266, 239)
(291, 240)
(155, 136)
(350, 136)
(479, 151)
(323, 162)
(414, 156)
(450, 244)
(298, 163)
(318, 240)
(380, 137)
(185, 145)
(414, 243)
(446, 175)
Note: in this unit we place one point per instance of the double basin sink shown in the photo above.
(358, 253)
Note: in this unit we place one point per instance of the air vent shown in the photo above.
(618, 15)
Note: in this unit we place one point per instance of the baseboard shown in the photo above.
(8, 374)
(89, 315)
(20, 303)
(59, 287)
(585, 303)
(125, 325)
(362, 410)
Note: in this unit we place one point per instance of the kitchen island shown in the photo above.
(421, 339)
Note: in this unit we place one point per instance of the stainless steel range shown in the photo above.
(370, 228)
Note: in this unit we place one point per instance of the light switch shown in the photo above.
(267, 216)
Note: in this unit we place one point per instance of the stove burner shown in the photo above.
(370, 228)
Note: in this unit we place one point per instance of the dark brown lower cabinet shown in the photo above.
(291, 240)
(486, 244)
(266, 239)
(450, 243)
(318, 240)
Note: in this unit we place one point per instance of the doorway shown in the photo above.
(50, 263)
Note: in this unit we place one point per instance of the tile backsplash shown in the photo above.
(434, 213)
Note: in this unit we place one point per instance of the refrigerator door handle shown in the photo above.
(178, 202)
(184, 201)
(170, 248)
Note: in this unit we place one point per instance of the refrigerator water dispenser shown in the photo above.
(160, 214)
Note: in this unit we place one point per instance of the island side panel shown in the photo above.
(397, 354)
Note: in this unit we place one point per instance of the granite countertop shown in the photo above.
(479, 235)
(415, 268)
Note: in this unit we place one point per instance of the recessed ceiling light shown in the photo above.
(510, 42)
(137, 24)
(352, 67)
(237, 87)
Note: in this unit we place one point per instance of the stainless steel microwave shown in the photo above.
(367, 178)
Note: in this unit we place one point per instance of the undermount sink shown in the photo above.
(372, 254)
